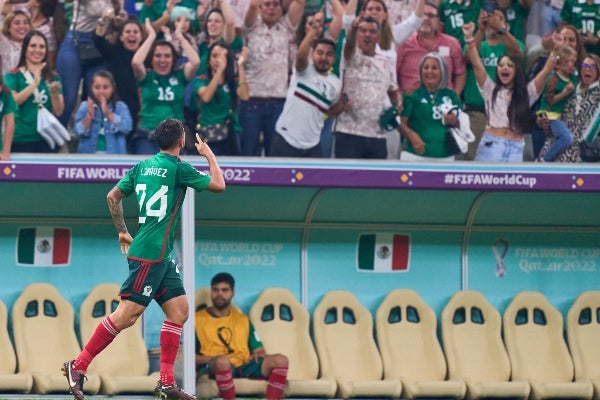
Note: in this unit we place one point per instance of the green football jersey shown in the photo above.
(162, 97)
(516, 16)
(160, 183)
(154, 9)
(7, 106)
(454, 16)
(582, 15)
(26, 113)
(424, 117)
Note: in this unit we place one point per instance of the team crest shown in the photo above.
(147, 291)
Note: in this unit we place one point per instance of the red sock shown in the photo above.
(169, 345)
(103, 335)
(225, 384)
(276, 383)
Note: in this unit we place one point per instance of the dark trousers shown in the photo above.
(281, 148)
(354, 146)
(258, 115)
(39, 146)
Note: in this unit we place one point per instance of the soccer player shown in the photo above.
(160, 183)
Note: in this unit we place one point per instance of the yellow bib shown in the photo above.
(225, 335)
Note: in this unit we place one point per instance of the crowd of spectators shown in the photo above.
(303, 78)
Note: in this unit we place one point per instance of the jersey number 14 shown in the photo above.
(155, 206)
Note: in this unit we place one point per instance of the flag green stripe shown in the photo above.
(366, 252)
(26, 246)
(317, 95)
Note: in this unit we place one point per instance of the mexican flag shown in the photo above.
(43, 246)
(383, 252)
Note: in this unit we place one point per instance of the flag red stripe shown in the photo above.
(140, 278)
(401, 252)
(62, 245)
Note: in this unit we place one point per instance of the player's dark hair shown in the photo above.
(223, 277)
(168, 133)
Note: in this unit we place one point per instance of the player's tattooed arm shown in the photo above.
(115, 206)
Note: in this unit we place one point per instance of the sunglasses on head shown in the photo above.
(591, 66)
(509, 64)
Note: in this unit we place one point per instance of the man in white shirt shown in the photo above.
(312, 93)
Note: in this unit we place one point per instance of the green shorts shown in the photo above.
(146, 281)
(251, 370)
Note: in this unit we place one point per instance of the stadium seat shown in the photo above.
(9, 380)
(44, 334)
(202, 298)
(471, 334)
(583, 334)
(206, 387)
(123, 366)
(343, 333)
(407, 336)
(283, 325)
(533, 333)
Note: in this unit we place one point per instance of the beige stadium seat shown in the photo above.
(9, 380)
(407, 336)
(206, 387)
(343, 333)
(533, 333)
(283, 325)
(44, 334)
(583, 334)
(123, 366)
(202, 298)
(471, 333)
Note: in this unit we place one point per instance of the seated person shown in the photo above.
(227, 346)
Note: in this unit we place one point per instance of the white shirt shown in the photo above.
(308, 99)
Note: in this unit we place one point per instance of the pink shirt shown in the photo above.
(410, 53)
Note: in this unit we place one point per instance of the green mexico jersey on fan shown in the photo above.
(582, 15)
(516, 16)
(26, 112)
(454, 16)
(424, 117)
(159, 183)
(162, 97)
(7, 106)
